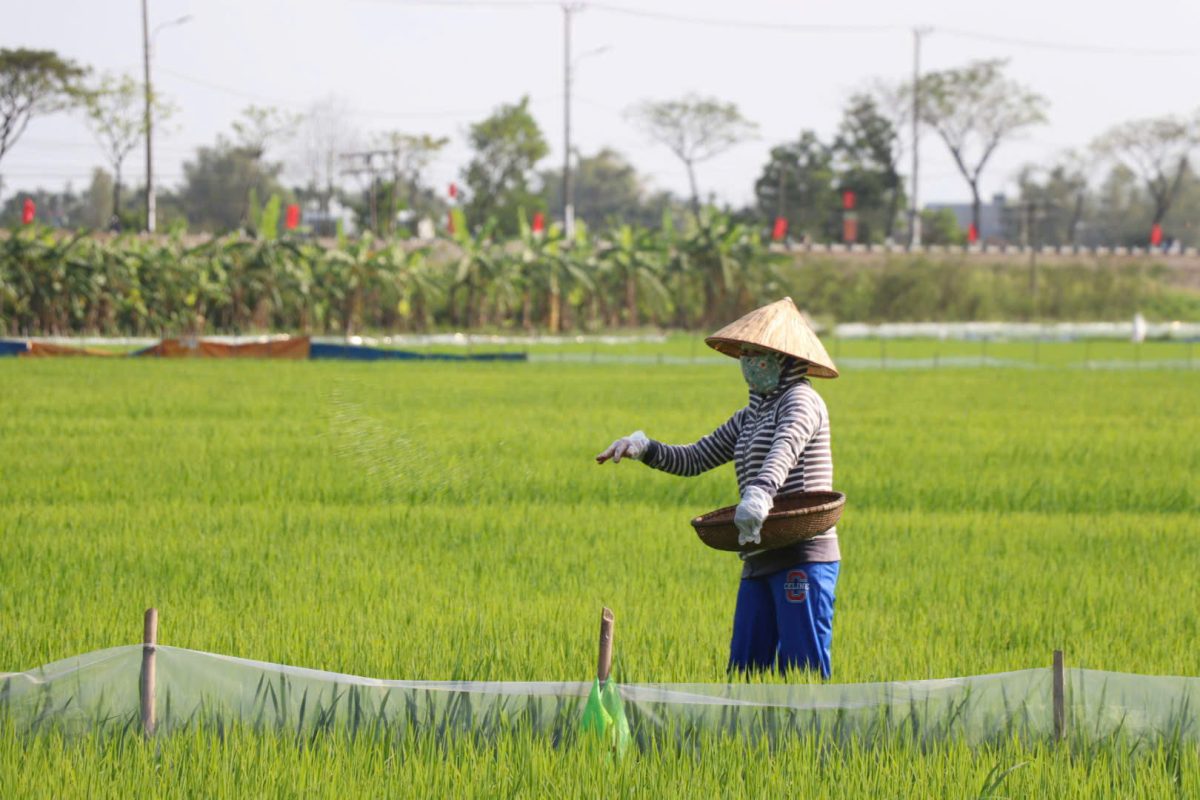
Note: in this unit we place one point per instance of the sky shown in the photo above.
(435, 67)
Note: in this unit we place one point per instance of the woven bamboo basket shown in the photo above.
(794, 517)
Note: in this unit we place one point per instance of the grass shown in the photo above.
(432, 521)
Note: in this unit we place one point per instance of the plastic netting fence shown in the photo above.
(99, 692)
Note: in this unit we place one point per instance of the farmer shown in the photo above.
(779, 444)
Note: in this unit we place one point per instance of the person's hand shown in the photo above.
(631, 446)
(751, 512)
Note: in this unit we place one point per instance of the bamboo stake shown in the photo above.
(147, 683)
(604, 665)
(1059, 694)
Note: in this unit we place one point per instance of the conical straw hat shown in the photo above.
(779, 327)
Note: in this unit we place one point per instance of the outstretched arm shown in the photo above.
(708, 453)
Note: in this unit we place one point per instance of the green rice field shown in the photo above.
(433, 521)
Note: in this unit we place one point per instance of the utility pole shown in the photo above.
(567, 188)
(914, 213)
(372, 171)
(568, 185)
(150, 211)
(147, 46)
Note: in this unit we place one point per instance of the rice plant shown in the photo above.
(994, 515)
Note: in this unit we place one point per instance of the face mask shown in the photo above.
(761, 371)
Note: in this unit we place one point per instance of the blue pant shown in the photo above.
(787, 615)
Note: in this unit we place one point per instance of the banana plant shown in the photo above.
(634, 259)
(476, 265)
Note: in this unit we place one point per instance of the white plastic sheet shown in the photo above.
(99, 692)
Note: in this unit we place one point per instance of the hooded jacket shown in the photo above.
(779, 442)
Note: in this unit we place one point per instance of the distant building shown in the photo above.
(994, 217)
(326, 224)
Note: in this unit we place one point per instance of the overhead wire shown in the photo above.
(793, 27)
(676, 18)
(1074, 47)
(358, 112)
(787, 27)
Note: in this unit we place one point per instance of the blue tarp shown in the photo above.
(344, 352)
(12, 347)
(350, 352)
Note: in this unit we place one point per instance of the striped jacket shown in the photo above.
(779, 442)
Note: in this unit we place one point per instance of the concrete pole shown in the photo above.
(150, 211)
(567, 188)
(914, 213)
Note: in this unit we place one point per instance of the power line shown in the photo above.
(51, 144)
(358, 112)
(1073, 47)
(508, 4)
(788, 27)
(784, 27)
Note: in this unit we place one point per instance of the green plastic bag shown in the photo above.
(595, 716)
(611, 697)
(604, 715)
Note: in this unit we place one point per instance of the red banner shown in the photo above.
(972, 234)
(28, 211)
(848, 200)
(779, 231)
(1156, 235)
(539, 222)
(453, 190)
(292, 220)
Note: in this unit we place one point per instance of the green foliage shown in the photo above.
(695, 129)
(867, 149)
(607, 191)
(508, 145)
(216, 187)
(974, 109)
(101, 194)
(797, 182)
(1157, 150)
(366, 520)
(690, 278)
(940, 227)
(268, 227)
(260, 126)
(116, 114)
(32, 83)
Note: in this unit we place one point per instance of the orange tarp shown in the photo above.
(296, 348)
(42, 350)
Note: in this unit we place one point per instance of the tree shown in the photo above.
(324, 134)
(1054, 200)
(34, 82)
(941, 227)
(867, 152)
(695, 129)
(1157, 151)
(260, 126)
(99, 199)
(218, 184)
(607, 188)
(974, 109)
(116, 114)
(408, 157)
(1120, 213)
(508, 145)
(797, 183)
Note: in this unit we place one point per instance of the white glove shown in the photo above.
(751, 512)
(632, 446)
